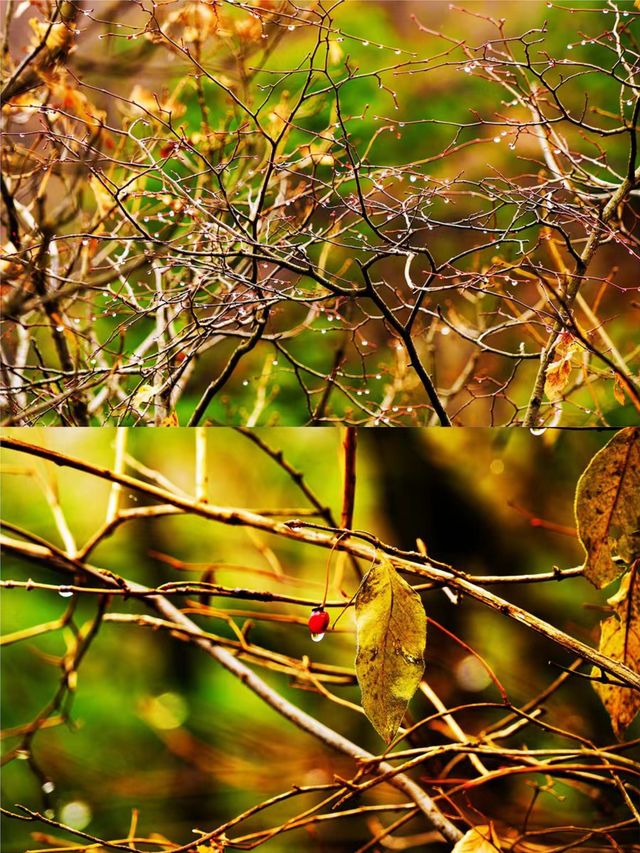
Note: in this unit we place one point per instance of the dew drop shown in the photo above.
(76, 814)
(537, 430)
(64, 592)
(317, 637)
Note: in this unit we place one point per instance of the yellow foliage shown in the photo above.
(69, 99)
(216, 845)
(199, 21)
(620, 641)
(144, 101)
(21, 105)
(170, 421)
(248, 29)
(57, 35)
(335, 52)
(278, 116)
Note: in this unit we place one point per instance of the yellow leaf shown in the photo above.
(278, 116)
(215, 845)
(143, 395)
(620, 641)
(318, 156)
(607, 508)
(480, 839)
(57, 35)
(335, 52)
(391, 630)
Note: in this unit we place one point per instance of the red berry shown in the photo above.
(318, 621)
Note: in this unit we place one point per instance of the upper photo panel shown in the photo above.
(376, 213)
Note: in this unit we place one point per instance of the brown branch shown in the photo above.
(287, 709)
(349, 445)
(457, 581)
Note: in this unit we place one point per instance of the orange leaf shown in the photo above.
(559, 371)
(170, 421)
(618, 390)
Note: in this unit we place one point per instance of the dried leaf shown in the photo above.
(559, 371)
(620, 641)
(480, 839)
(607, 508)
(391, 632)
(556, 378)
(618, 390)
(170, 421)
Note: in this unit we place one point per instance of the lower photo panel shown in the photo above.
(320, 640)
